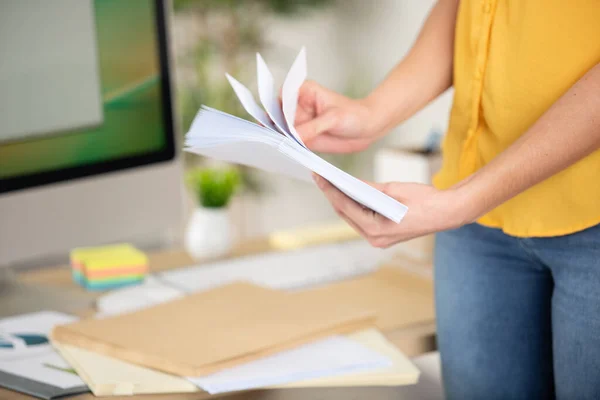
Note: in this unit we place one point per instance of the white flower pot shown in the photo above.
(208, 233)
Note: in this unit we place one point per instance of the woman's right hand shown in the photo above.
(331, 123)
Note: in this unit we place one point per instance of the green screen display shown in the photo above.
(127, 53)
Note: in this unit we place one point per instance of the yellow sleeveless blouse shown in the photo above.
(512, 60)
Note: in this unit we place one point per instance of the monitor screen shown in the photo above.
(84, 89)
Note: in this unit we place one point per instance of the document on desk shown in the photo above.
(325, 358)
(28, 363)
(206, 332)
(108, 376)
(274, 144)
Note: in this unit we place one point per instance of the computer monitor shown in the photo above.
(87, 138)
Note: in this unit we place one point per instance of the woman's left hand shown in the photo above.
(429, 210)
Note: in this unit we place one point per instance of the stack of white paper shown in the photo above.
(329, 357)
(275, 145)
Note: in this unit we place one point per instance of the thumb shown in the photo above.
(316, 126)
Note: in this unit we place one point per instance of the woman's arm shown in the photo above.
(425, 72)
(566, 133)
(330, 122)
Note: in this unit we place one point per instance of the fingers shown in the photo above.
(303, 115)
(353, 225)
(316, 112)
(316, 126)
(311, 91)
(343, 203)
(327, 143)
(369, 224)
(307, 102)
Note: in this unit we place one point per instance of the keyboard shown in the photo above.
(282, 270)
(290, 270)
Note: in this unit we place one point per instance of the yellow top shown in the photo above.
(512, 60)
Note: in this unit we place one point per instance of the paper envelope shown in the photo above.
(206, 332)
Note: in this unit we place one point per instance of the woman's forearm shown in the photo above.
(422, 75)
(566, 133)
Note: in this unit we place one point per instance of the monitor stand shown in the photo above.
(21, 298)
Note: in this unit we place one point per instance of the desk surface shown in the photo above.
(413, 330)
(279, 394)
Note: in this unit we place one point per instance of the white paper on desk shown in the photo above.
(328, 357)
(34, 358)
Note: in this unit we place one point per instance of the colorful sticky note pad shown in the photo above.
(108, 267)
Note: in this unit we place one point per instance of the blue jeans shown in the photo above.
(518, 318)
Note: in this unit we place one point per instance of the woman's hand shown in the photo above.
(331, 123)
(429, 210)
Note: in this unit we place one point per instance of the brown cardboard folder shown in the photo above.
(208, 331)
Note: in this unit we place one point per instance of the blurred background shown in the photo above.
(115, 86)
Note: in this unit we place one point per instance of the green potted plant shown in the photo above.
(208, 232)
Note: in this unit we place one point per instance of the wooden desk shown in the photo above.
(413, 328)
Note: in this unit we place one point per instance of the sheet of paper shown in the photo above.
(266, 93)
(25, 350)
(108, 376)
(401, 372)
(249, 104)
(329, 357)
(291, 89)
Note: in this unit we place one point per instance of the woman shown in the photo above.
(517, 201)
